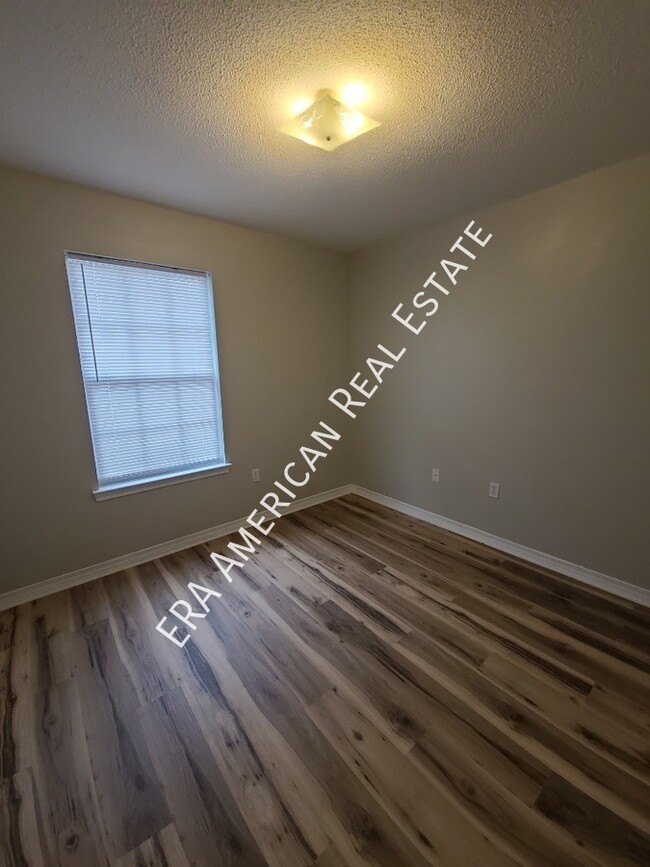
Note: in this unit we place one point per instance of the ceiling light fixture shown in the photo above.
(328, 123)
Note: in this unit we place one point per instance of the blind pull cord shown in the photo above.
(90, 322)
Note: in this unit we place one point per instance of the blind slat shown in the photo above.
(147, 349)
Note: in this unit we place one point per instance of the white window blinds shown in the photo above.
(148, 355)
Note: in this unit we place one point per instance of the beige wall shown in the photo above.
(283, 346)
(534, 373)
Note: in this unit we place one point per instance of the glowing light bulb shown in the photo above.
(327, 123)
(300, 105)
(352, 121)
(353, 94)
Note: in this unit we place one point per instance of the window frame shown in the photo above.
(145, 483)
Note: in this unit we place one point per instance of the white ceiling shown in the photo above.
(178, 103)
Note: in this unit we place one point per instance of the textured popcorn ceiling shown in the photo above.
(178, 103)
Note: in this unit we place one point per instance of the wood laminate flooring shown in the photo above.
(369, 690)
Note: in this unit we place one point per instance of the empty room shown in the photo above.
(325, 439)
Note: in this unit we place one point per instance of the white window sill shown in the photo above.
(121, 490)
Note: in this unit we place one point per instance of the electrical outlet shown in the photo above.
(435, 475)
(255, 474)
(494, 490)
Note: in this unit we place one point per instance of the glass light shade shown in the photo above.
(327, 124)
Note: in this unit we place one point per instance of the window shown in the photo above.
(148, 355)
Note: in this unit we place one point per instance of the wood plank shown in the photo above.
(434, 826)
(23, 839)
(163, 850)
(510, 822)
(514, 575)
(467, 549)
(603, 834)
(582, 653)
(207, 819)
(320, 792)
(129, 620)
(620, 744)
(370, 690)
(354, 598)
(540, 735)
(121, 779)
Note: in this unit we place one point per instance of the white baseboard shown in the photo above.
(126, 561)
(631, 592)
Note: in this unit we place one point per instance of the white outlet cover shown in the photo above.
(255, 475)
(493, 490)
(435, 475)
